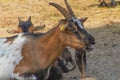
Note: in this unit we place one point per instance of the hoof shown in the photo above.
(113, 4)
(103, 4)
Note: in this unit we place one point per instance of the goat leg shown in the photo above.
(103, 3)
(113, 3)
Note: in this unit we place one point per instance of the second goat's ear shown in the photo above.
(83, 19)
(29, 19)
(19, 20)
(13, 31)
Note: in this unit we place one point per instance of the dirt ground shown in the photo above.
(103, 63)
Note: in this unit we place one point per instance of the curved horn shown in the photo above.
(69, 9)
(62, 10)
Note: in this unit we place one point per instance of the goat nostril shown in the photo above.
(92, 42)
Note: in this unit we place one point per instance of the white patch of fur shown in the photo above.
(10, 56)
(78, 22)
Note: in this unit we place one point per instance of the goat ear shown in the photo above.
(83, 19)
(29, 19)
(62, 27)
(39, 27)
(62, 24)
(12, 31)
(20, 21)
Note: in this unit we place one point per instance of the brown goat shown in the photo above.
(66, 56)
(37, 52)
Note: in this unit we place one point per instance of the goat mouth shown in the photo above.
(88, 48)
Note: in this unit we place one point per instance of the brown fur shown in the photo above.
(31, 29)
(44, 50)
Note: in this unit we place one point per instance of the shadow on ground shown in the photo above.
(103, 61)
